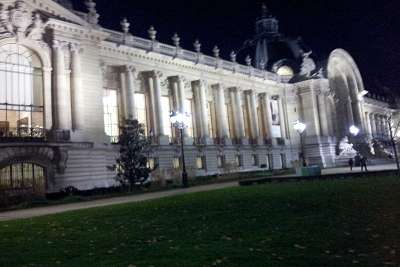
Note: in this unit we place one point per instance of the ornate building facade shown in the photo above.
(67, 85)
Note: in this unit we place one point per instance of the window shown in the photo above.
(201, 163)
(283, 160)
(270, 162)
(239, 160)
(255, 160)
(211, 119)
(23, 176)
(21, 91)
(166, 111)
(110, 105)
(140, 104)
(220, 161)
(188, 108)
(176, 163)
(152, 163)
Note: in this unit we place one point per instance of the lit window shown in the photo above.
(21, 90)
(211, 121)
(200, 163)
(285, 71)
(166, 111)
(140, 104)
(188, 108)
(176, 163)
(111, 124)
(26, 176)
(151, 163)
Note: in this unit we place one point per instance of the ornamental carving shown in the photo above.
(20, 22)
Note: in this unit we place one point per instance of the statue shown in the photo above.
(308, 65)
(346, 149)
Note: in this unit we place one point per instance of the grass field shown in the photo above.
(329, 223)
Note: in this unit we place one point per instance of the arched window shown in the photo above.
(21, 91)
(23, 177)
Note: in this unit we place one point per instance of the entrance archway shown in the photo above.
(347, 85)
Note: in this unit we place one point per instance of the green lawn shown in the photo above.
(330, 223)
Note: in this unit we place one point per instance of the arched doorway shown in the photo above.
(346, 83)
(23, 178)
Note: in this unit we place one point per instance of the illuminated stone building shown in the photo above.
(67, 84)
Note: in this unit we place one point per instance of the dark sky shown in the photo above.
(368, 29)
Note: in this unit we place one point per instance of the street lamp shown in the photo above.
(181, 122)
(354, 130)
(300, 128)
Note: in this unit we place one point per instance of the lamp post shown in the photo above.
(180, 121)
(300, 128)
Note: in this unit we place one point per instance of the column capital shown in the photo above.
(200, 83)
(57, 44)
(130, 69)
(177, 78)
(75, 47)
(217, 86)
(235, 89)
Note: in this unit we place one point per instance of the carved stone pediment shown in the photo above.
(21, 22)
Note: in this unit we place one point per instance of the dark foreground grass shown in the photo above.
(331, 223)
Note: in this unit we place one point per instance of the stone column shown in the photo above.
(238, 113)
(200, 92)
(267, 117)
(130, 107)
(372, 124)
(62, 92)
(220, 108)
(350, 117)
(157, 112)
(323, 116)
(177, 86)
(377, 125)
(77, 91)
(368, 124)
(48, 98)
(282, 118)
(252, 109)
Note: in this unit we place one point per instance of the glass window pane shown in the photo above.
(166, 111)
(110, 105)
(141, 109)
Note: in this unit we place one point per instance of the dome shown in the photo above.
(65, 3)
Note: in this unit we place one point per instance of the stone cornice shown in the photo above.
(73, 32)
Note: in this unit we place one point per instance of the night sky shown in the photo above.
(368, 29)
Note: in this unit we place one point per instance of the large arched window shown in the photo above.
(21, 91)
(23, 176)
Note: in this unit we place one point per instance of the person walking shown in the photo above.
(363, 163)
(351, 164)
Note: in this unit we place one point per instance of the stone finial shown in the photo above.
(197, 46)
(216, 51)
(125, 25)
(262, 64)
(92, 16)
(152, 33)
(176, 39)
(233, 56)
(248, 60)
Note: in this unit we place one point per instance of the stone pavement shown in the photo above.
(35, 212)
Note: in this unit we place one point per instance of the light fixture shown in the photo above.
(354, 130)
(300, 127)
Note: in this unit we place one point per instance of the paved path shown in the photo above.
(35, 212)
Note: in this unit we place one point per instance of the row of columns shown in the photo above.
(377, 125)
(200, 92)
(68, 94)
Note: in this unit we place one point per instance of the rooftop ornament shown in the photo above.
(216, 51)
(125, 25)
(233, 56)
(197, 46)
(92, 16)
(152, 33)
(248, 60)
(176, 40)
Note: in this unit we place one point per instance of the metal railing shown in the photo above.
(22, 134)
